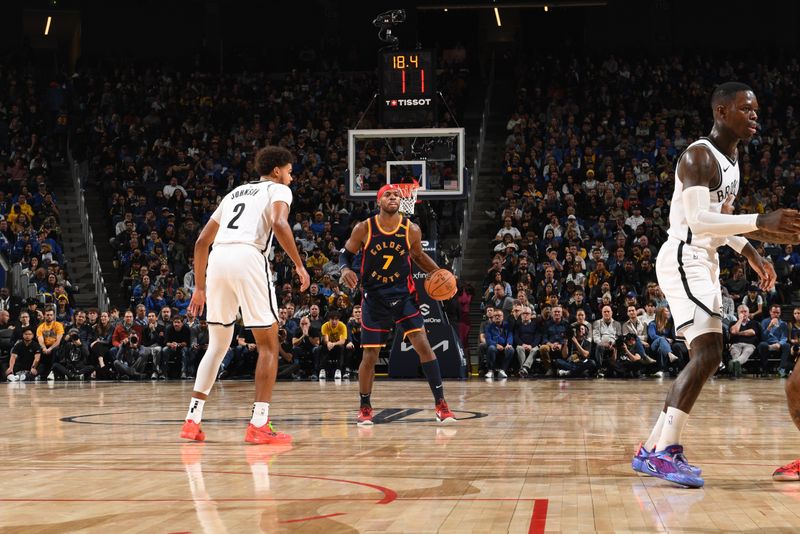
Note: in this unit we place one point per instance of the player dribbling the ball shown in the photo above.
(389, 242)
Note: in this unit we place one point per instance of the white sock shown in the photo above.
(260, 414)
(195, 412)
(674, 422)
(656, 433)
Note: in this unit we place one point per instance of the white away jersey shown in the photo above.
(728, 185)
(245, 213)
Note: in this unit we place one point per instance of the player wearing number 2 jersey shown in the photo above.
(388, 242)
(237, 276)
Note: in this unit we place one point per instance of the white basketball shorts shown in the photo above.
(237, 278)
(689, 278)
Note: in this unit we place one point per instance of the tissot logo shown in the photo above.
(408, 102)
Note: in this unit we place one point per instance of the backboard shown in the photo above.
(432, 156)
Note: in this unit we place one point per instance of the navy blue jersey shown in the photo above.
(386, 258)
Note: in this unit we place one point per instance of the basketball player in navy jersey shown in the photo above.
(389, 241)
(706, 179)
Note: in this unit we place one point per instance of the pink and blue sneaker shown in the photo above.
(641, 455)
(669, 464)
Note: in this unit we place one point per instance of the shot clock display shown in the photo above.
(408, 87)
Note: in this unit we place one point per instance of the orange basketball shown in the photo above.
(441, 284)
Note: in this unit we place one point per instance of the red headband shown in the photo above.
(385, 188)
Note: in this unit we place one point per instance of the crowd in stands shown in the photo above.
(571, 290)
(163, 146)
(587, 179)
(33, 143)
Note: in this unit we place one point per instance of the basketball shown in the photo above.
(441, 284)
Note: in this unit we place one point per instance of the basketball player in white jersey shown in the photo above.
(237, 270)
(706, 178)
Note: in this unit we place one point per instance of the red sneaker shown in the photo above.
(788, 473)
(265, 434)
(443, 413)
(191, 430)
(365, 416)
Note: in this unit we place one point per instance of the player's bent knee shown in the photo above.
(706, 348)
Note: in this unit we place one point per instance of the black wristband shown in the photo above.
(346, 258)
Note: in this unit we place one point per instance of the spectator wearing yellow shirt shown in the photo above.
(49, 334)
(317, 259)
(21, 206)
(334, 337)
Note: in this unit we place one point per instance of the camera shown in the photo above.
(624, 339)
(134, 339)
(385, 22)
(389, 18)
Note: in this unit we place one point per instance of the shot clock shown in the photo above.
(408, 87)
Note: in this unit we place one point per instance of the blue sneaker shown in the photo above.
(670, 465)
(641, 455)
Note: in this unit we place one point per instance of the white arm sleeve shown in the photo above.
(737, 243)
(703, 221)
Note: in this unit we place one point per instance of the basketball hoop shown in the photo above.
(408, 196)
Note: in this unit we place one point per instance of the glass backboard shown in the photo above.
(432, 156)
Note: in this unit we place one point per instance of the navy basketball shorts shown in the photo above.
(380, 313)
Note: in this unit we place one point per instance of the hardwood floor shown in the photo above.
(533, 456)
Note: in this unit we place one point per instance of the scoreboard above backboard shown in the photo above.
(408, 87)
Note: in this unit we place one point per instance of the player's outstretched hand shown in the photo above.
(350, 278)
(305, 280)
(782, 220)
(198, 302)
(766, 274)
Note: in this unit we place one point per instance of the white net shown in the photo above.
(409, 198)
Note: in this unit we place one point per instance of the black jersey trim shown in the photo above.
(688, 236)
(685, 283)
(712, 143)
(682, 325)
(719, 181)
(222, 324)
(269, 287)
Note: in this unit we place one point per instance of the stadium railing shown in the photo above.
(475, 176)
(78, 178)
